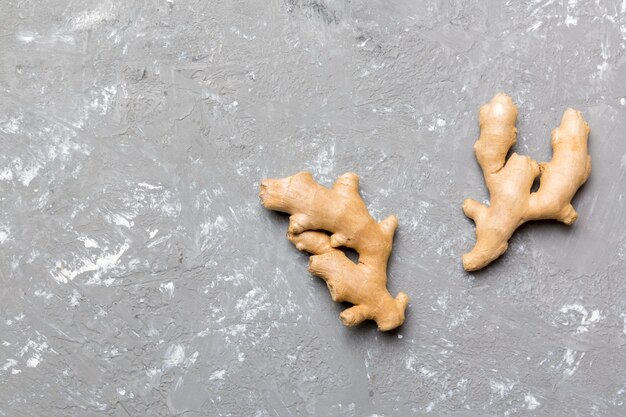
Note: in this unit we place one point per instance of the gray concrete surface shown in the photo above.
(141, 277)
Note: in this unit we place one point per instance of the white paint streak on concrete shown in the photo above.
(33, 362)
(88, 242)
(36, 349)
(410, 362)
(427, 373)
(502, 388)
(324, 164)
(460, 318)
(167, 288)
(217, 375)
(99, 265)
(531, 401)
(12, 125)
(254, 302)
(34, 37)
(103, 99)
(605, 54)
(10, 363)
(210, 228)
(26, 36)
(25, 174)
(75, 298)
(587, 319)
(174, 356)
(91, 18)
(571, 20)
(153, 372)
(571, 361)
(4, 234)
(6, 174)
(192, 359)
(149, 186)
(43, 294)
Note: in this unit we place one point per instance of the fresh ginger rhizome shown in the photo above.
(510, 182)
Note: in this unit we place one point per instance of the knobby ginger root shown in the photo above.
(510, 182)
(341, 211)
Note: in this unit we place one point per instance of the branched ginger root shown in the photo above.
(510, 182)
(342, 212)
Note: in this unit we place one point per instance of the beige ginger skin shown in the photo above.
(341, 211)
(509, 182)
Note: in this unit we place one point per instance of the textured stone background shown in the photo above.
(141, 277)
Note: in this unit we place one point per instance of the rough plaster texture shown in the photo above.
(141, 276)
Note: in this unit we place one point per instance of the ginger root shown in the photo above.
(509, 182)
(341, 211)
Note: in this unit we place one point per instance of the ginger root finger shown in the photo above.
(509, 182)
(567, 171)
(341, 212)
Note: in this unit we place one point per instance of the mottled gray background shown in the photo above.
(141, 277)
